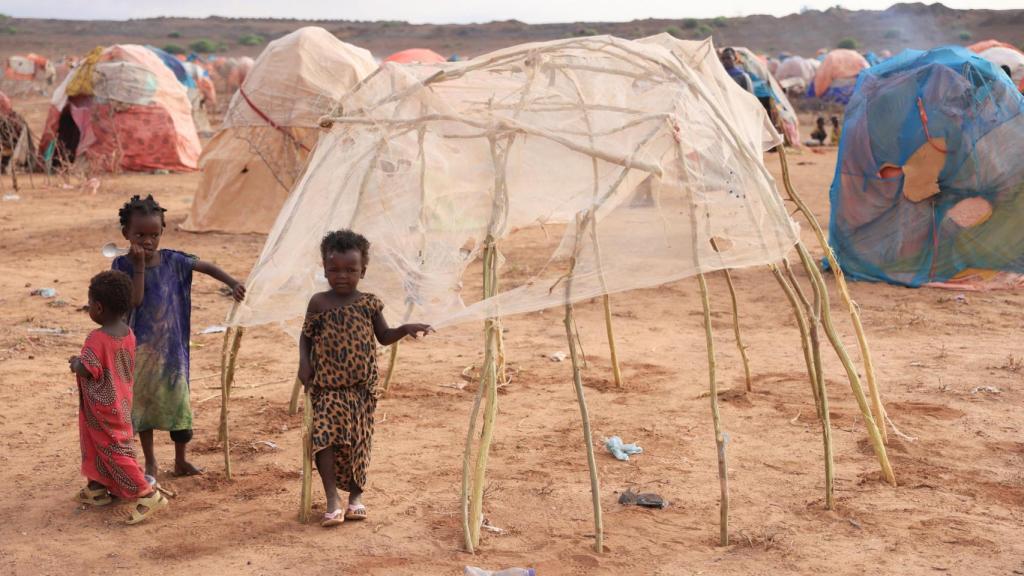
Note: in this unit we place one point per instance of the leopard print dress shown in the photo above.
(343, 390)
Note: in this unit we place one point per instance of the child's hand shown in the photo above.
(73, 363)
(415, 330)
(238, 291)
(137, 255)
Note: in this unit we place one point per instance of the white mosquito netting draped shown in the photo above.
(623, 164)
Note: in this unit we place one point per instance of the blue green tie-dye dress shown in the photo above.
(162, 325)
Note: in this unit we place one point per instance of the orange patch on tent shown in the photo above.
(970, 212)
(921, 171)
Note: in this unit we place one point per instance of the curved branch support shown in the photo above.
(306, 501)
(736, 328)
(293, 402)
(723, 471)
(858, 392)
(229, 355)
(844, 293)
(812, 357)
(588, 440)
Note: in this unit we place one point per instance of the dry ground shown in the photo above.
(958, 509)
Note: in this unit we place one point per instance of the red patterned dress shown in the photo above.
(105, 415)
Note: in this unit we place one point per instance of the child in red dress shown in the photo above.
(104, 371)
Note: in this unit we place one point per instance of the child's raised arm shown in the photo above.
(214, 271)
(388, 336)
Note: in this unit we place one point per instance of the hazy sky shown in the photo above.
(443, 11)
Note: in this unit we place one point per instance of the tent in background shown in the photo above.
(929, 187)
(416, 56)
(121, 109)
(836, 76)
(271, 125)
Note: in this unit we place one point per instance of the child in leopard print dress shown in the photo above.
(338, 366)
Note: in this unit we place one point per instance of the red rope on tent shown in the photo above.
(924, 122)
(268, 120)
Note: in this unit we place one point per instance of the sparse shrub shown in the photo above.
(174, 35)
(690, 23)
(720, 22)
(704, 30)
(251, 40)
(585, 32)
(675, 31)
(964, 36)
(848, 43)
(174, 49)
(892, 33)
(8, 30)
(206, 46)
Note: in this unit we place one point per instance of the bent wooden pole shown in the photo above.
(306, 500)
(229, 355)
(844, 293)
(736, 329)
(293, 402)
(874, 434)
(723, 470)
(812, 357)
(588, 440)
(612, 349)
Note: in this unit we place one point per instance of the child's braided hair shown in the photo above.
(147, 206)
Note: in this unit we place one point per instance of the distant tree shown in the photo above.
(251, 40)
(848, 43)
(174, 49)
(720, 22)
(174, 35)
(690, 23)
(206, 46)
(581, 32)
(964, 36)
(892, 33)
(675, 31)
(703, 31)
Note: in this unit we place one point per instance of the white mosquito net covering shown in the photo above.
(595, 165)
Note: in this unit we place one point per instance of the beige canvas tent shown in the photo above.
(251, 163)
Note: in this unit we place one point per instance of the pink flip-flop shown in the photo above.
(332, 518)
(355, 512)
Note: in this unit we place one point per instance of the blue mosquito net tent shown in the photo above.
(929, 183)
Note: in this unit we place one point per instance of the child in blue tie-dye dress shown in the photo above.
(161, 320)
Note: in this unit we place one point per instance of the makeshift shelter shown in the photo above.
(766, 86)
(837, 75)
(250, 165)
(979, 47)
(1009, 57)
(121, 109)
(929, 185)
(796, 73)
(30, 67)
(441, 166)
(416, 56)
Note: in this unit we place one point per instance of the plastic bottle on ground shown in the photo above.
(474, 571)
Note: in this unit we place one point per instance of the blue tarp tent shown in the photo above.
(929, 182)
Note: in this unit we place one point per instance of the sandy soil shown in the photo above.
(958, 509)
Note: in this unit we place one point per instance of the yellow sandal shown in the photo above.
(93, 497)
(151, 503)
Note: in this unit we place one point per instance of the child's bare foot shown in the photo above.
(186, 468)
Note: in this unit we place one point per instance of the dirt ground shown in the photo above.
(950, 369)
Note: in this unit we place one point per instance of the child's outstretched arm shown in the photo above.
(214, 271)
(388, 336)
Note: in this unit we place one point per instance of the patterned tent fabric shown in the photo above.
(929, 186)
(130, 110)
